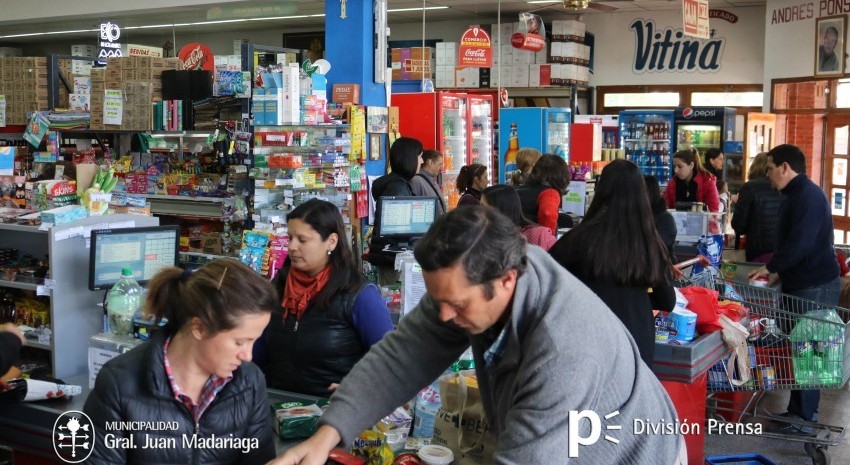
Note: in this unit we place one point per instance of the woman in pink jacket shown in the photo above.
(691, 183)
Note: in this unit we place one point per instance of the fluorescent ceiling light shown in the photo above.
(153, 26)
(418, 9)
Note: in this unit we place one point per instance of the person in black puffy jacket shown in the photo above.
(756, 214)
(190, 394)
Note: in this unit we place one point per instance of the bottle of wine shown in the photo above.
(28, 390)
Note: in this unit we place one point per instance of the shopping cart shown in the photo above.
(794, 344)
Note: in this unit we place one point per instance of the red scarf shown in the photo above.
(301, 288)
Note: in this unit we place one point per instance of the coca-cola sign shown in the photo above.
(475, 49)
(197, 56)
(532, 42)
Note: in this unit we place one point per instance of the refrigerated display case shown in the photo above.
(544, 129)
(439, 121)
(646, 137)
(610, 128)
(481, 132)
(704, 128)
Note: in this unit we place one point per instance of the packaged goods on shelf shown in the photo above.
(568, 30)
(413, 63)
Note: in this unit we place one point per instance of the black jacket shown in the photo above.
(391, 185)
(10, 348)
(666, 226)
(804, 256)
(322, 350)
(757, 216)
(528, 194)
(135, 387)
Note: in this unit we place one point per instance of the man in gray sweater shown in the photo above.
(544, 346)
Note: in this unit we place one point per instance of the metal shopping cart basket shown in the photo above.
(794, 344)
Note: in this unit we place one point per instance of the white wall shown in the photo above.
(790, 38)
(18, 10)
(616, 44)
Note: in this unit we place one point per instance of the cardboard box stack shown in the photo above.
(515, 67)
(140, 82)
(446, 64)
(24, 83)
(82, 67)
(279, 101)
(412, 63)
(570, 53)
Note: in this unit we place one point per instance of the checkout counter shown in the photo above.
(27, 427)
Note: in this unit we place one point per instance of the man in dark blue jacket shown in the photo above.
(804, 258)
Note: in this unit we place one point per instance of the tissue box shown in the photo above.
(64, 214)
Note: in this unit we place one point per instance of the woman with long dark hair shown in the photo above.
(617, 253)
(691, 183)
(471, 180)
(506, 200)
(329, 315)
(542, 194)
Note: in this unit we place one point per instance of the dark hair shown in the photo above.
(653, 193)
(712, 153)
(791, 154)
(551, 171)
(617, 240)
(506, 200)
(404, 157)
(218, 294)
(484, 241)
(324, 217)
(720, 184)
(467, 175)
(691, 156)
(831, 29)
(429, 155)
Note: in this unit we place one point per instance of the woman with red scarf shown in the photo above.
(329, 315)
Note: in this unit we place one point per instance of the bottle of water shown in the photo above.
(122, 303)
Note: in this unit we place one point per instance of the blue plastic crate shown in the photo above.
(740, 459)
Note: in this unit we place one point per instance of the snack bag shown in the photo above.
(372, 445)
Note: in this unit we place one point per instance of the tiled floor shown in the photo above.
(834, 410)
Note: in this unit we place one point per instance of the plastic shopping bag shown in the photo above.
(703, 302)
(711, 247)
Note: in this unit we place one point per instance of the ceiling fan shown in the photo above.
(576, 6)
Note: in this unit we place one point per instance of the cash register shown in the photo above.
(404, 220)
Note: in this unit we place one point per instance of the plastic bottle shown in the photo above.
(771, 336)
(425, 410)
(818, 339)
(122, 303)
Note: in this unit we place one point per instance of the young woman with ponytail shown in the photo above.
(471, 180)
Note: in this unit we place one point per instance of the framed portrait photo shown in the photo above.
(375, 151)
(830, 45)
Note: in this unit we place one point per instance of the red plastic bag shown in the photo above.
(703, 302)
(733, 310)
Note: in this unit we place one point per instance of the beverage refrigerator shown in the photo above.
(544, 129)
(646, 137)
(610, 128)
(481, 132)
(440, 121)
(704, 128)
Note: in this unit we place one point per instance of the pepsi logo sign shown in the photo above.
(687, 112)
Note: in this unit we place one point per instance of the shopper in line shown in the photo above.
(691, 183)
(804, 258)
(11, 341)
(506, 200)
(617, 252)
(329, 315)
(714, 162)
(405, 159)
(541, 195)
(543, 345)
(196, 373)
(525, 160)
(757, 212)
(426, 183)
(665, 224)
(471, 180)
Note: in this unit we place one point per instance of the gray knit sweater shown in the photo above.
(565, 351)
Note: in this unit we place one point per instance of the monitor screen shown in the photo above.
(143, 250)
(406, 216)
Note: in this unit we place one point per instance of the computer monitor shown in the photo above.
(405, 219)
(143, 250)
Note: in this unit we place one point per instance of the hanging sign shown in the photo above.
(132, 50)
(113, 106)
(475, 49)
(695, 18)
(109, 45)
(197, 56)
(531, 34)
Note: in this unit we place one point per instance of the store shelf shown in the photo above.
(182, 198)
(320, 126)
(20, 227)
(19, 285)
(454, 137)
(37, 345)
(178, 134)
(647, 140)
(203, 255)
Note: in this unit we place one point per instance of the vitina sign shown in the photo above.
(109, 45)
(669, 51)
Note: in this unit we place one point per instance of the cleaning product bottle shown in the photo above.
(122, 303)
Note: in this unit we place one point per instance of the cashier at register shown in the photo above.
(11, 341)
(543, 344)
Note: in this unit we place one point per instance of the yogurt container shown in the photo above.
(436, 455)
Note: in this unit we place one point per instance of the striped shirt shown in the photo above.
(212, 387)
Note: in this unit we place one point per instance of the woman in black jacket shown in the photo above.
(617, 253)
(664, 222)
(757, 212)
(193, 381)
